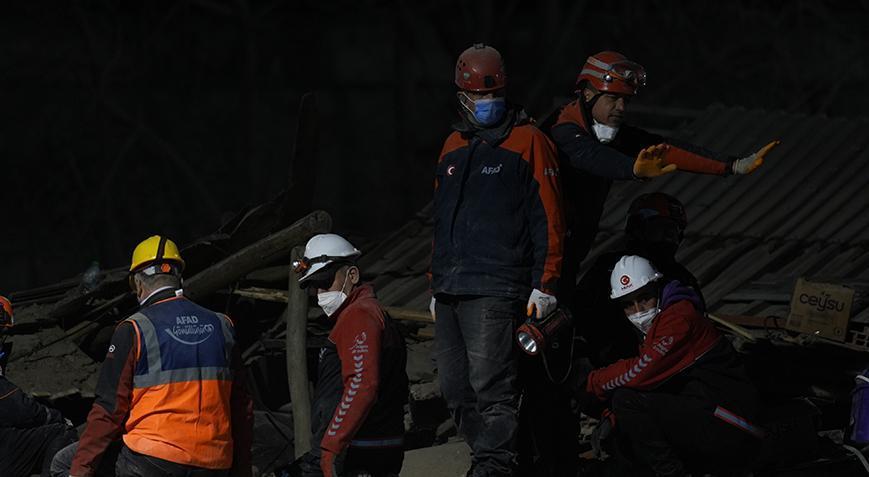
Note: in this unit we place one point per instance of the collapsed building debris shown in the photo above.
(748, 276)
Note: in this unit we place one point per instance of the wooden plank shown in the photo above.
(734, 328)
(280, 296)
(297, 362)
(405, 314)
(256, 255)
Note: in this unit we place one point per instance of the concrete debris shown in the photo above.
(52, 370)
(420, 366)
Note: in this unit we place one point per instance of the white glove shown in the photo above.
(745, 165)
(431, 308)
(749, 163)
(543, 303)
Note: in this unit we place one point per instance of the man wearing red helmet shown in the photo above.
(30, 433)
(496, 255)
(596, 147)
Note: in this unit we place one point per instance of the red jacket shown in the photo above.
(373, 383)
(679, 336)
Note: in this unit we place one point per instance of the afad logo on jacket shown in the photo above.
(189, 331)
(359, 344)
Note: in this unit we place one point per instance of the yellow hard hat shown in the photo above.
(155, 249)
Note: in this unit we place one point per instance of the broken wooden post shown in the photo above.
(297, 363)
(257, 255)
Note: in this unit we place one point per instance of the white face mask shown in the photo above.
(330, 301)
(604, 133)
(643, 319)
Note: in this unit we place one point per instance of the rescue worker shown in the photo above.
(596, 147)
(170, 387)
(362, 384)
(30, 433)
(654, 228)
(497, 247)
(684, 399)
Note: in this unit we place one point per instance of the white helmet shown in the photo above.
(630, 274)
(322, 250)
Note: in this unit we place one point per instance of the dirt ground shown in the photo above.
(448, 460)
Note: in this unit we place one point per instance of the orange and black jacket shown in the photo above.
(588, 168)
(189, 406)
(499, 223)
(581, 150)
(20, 411)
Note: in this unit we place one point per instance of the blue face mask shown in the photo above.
(489, 111)
(485, 112)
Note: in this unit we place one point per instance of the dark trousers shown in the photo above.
(355, 461)
(548, 427)
(384, 462)
(24, 452)
(477, 366)
(120, 461)
(670, 434)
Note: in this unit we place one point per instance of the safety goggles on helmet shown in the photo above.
(303, 264)
(627, 71)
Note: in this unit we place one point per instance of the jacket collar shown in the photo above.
(361, 292)
(494, 135)
(160, 295)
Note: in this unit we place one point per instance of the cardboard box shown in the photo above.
(820, 308)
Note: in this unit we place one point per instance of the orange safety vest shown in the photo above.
(180, 409)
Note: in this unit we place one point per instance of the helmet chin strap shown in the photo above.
(466, 110)
(464, 103)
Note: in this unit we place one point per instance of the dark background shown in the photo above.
(121, 119)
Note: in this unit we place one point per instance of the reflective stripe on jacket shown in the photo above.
(182, 385)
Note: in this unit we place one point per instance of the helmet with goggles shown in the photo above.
(611, 72)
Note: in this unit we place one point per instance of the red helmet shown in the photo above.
(611, 72)
(656, 204)
(480, 69)
(6, 320)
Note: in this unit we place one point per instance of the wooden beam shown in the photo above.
(297, 362)
(280, 296)
(406, 314)
(734, 328)
(255, 256)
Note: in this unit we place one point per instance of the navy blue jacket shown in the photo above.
(499, 224)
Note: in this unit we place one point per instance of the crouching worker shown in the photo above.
(358, 410)
(684, 401)
(170, 387)
(30, 433)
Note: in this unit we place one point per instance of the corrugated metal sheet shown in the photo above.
(804, 213)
